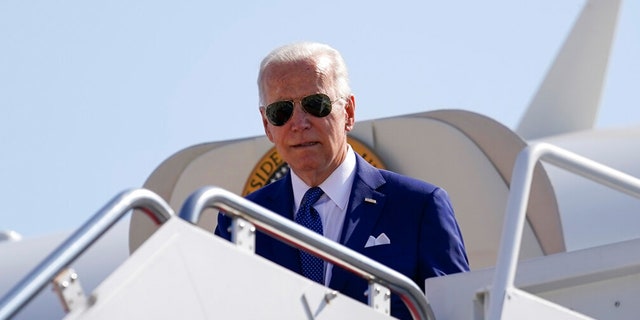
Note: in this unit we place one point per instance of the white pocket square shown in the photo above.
(380, 240)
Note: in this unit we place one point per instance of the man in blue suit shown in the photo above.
(307, 110)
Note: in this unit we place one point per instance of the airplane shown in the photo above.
(577, 248)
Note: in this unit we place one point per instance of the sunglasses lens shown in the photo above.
(318, 105)
(279, 112)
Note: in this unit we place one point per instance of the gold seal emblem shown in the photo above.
(271, 167)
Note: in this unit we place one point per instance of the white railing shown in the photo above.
(152, 204)
(517, 205)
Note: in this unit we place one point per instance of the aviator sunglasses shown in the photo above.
(317, 105)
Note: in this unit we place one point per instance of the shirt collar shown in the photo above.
(337, 186)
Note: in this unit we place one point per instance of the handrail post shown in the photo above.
(79, 241)
(305, 239)
(517, 202)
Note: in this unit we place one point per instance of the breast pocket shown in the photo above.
(398, 256)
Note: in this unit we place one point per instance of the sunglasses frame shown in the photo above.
(325, 105)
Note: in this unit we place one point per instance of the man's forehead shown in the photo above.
(284, 67)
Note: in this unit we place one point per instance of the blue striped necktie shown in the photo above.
(312, 266)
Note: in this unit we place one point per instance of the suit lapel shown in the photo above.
(362, 215)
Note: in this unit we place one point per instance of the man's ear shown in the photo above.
(350, 113)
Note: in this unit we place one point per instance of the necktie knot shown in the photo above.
(307, 215)
(310, 197)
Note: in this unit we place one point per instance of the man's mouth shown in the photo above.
(305, 144)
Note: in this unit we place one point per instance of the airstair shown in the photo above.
(185, 271)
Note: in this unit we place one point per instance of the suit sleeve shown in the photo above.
(442, 249)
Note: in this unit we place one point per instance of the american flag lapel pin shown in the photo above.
(369, 200)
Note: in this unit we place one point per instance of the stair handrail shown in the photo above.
(517, 202)
(300, 237)
(152, 204)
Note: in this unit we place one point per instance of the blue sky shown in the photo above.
(95, 95)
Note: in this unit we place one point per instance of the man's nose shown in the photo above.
(299, 118)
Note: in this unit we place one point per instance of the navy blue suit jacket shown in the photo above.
(417, 217)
